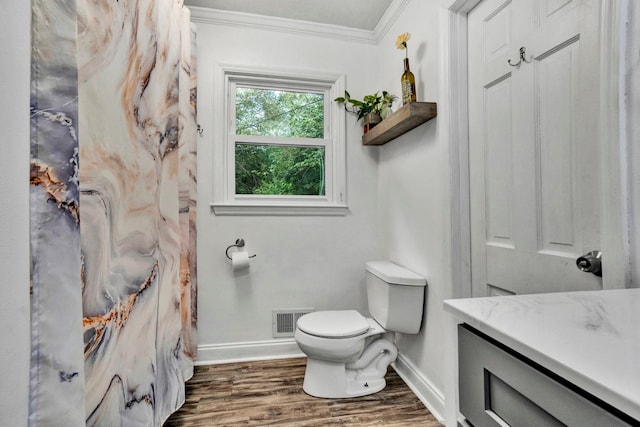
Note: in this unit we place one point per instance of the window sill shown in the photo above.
(278, 210)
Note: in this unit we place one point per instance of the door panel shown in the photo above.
(535, 193)
(498, 158)
(557, 186)
(497, 32)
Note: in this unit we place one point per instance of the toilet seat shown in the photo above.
(334, 324)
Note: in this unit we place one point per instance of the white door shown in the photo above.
(533, 146)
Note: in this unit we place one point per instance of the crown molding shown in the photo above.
(389, 18)
(270, 23)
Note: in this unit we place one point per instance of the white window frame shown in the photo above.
(225, 201)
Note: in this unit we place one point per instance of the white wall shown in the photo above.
(302, 261)
(414, 193)
(14, 218)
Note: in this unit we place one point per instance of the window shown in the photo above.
(274, 166)
(281, 147)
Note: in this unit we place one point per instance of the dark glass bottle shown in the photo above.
(408, 82)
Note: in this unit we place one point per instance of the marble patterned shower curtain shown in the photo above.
(112, 211)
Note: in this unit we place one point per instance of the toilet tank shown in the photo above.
(395, 296)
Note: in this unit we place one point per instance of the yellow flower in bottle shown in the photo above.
(402, 39)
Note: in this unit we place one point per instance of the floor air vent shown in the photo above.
(284, 321)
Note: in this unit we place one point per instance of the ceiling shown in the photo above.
(359, 14)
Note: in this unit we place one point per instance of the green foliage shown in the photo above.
(279, 170)
(379, 104)
(278, 113)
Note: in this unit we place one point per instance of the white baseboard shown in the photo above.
(212, 354)
(428, 394)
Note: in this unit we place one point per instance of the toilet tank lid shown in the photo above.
(395, 274)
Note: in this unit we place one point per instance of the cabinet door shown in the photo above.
(499, 389)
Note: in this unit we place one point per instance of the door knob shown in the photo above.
(591, 263)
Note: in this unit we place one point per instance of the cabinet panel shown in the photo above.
(505, 403)
(498, 387)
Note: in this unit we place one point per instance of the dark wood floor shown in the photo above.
(270, 393)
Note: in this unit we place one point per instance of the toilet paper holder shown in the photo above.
(239, 244)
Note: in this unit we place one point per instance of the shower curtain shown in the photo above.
(113, 225)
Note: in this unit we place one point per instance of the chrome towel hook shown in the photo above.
(523, 53)
(239, 244)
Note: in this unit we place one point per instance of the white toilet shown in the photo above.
(348, 354)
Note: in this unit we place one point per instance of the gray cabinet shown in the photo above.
(499, 387)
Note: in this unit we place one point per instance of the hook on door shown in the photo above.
(523, 58)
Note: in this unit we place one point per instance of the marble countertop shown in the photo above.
(590, 338)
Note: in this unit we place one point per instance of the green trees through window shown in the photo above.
(272, 167)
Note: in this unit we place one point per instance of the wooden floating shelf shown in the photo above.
(402, 121)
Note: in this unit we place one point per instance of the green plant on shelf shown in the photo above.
(371, 104)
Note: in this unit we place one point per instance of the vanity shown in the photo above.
(570, 358)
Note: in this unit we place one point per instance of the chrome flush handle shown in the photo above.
(591, 263)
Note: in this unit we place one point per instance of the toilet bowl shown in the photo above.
(349, 359)
(347, 353)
